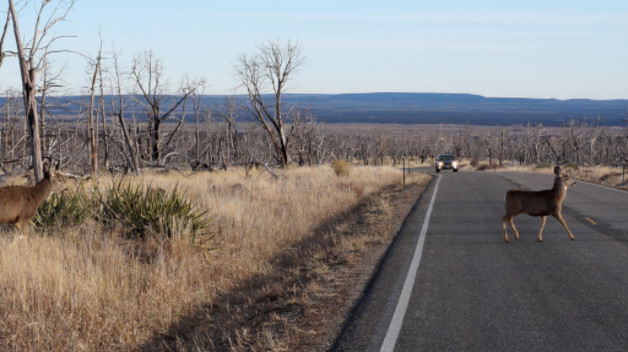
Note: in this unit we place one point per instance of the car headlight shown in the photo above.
(440, 163)
(455, 164)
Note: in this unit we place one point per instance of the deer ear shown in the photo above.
(557, 170)
(54, 167)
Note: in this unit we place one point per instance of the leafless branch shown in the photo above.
(4, 54)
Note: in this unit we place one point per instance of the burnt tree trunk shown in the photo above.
(29, 90)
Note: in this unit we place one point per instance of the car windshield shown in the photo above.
(446, 157)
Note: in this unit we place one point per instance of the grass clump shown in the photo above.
(152, 211)
(341, 167)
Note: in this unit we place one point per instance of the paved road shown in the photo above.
(473, 292)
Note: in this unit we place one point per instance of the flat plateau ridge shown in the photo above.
(414, 108)
(431, 108)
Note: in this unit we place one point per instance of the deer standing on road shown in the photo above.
(19, 204)
(538, 203)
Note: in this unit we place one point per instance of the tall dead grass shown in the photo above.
(88, 289)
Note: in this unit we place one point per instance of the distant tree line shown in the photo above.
(212, 138)
(577, 143)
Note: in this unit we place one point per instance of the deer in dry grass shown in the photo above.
(538, 203)
(19, 204)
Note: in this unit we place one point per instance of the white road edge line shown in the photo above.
(404, 298)
(602, 186)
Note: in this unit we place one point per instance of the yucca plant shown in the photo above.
(152, 211)
(69, 208)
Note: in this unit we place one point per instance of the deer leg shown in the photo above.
(543, 219)
(22, 228)
(514, 229)
(19, 233)
(504, 219)
(560, 219)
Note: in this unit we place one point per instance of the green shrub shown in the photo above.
(152, 211)
(341, 167)
(69, 208)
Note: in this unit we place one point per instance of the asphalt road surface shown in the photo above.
(470, 291)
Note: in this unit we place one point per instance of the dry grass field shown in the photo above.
(89, 288)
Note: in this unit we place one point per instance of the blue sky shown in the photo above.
(545, 49)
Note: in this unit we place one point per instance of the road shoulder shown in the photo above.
(372, 314)
(347, 283)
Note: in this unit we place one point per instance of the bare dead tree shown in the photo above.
(229, 115)
(273, 66)
(31, 59)
(51, 80)
(10, 143)
(301, 140)
(148, 74)
(181, 120)
(129, 149)
(101, 107)
(208, 119)
(196, 105)
(103, 115)
(93, 126)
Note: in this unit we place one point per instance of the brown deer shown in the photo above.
(19, 204)
(538, 203)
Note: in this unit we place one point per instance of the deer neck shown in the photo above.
(559, 188)
(42, 190)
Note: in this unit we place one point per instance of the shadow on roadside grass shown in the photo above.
(261, 312)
